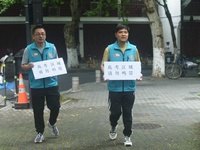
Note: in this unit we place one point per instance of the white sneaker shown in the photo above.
(113, 133)
(39, 138)
(54, 129)
(127, 141)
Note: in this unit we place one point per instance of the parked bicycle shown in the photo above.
(181, 66)
(92, 62)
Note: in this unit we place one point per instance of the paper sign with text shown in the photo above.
(49, 68)
(122, 70)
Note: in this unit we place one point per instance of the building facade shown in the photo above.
(94, 33)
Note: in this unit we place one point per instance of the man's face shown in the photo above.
(122, 35)
(39, 35)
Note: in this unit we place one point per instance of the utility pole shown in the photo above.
(34, 16)
(27, 22)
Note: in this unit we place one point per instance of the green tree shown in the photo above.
(5, 4)
(69, 33)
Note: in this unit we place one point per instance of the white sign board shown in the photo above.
(122, 70)
(49, 68)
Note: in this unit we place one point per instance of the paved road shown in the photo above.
(85, 75)
(165, 117)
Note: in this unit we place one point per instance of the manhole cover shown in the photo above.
(145, 126)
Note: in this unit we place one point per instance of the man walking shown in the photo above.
(121, 92)
(42, 89)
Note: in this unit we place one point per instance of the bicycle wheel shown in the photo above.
(173, 71)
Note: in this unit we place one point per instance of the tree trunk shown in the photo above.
(69, 33)
(72, 59)
(157, 37)
(167, 13)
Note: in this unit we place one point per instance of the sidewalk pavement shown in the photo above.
(165, 117)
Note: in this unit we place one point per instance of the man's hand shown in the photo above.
(140, 79)
(30, 65)
(27, 66)
(105, 80)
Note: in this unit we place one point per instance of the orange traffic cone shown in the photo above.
(22, 96)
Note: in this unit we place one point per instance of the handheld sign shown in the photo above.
(122, 70)
(49, 68)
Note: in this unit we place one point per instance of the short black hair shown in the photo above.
(122, 26)
(39, 26)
